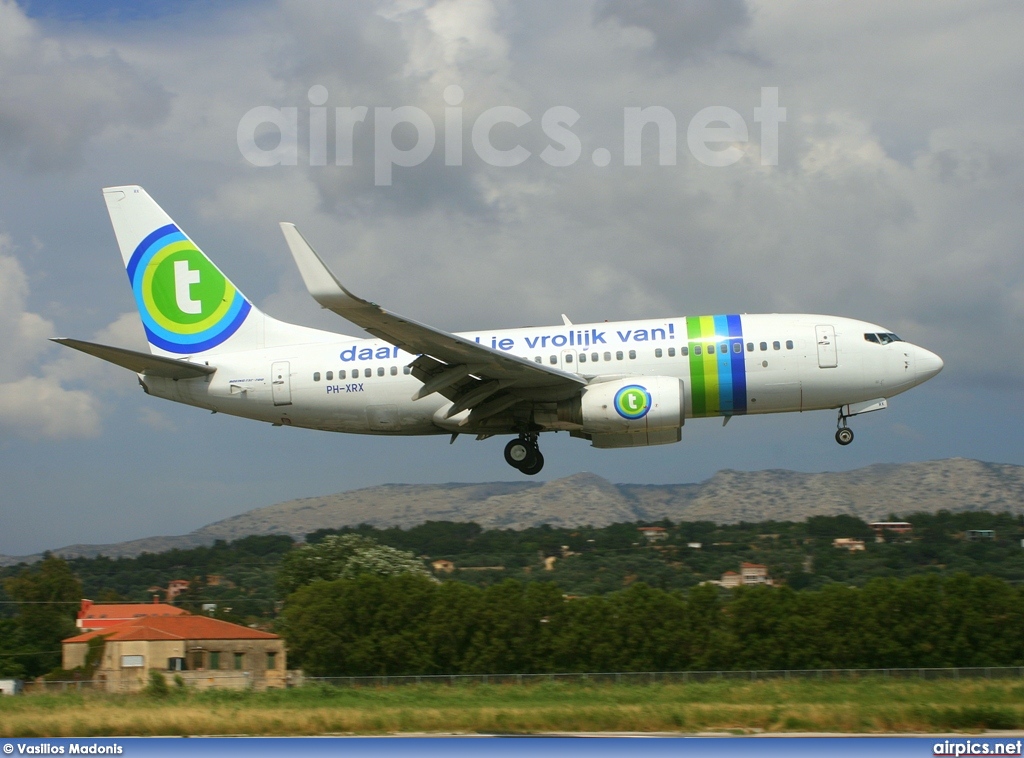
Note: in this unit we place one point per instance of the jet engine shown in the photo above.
(645, 410)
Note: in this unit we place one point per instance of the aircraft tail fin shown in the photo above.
(187, 305)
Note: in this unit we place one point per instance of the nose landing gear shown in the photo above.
(844, 434)
(523, 453)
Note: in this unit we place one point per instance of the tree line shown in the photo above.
(411, 625)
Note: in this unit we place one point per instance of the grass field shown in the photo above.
(862, 706)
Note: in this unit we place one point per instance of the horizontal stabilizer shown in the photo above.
(140, 363)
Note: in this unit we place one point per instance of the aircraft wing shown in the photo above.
(455, 359)
(140, 363)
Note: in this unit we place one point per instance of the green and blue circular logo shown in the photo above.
(632, 401)
(186, 304)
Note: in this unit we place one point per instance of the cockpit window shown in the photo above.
(882, 338)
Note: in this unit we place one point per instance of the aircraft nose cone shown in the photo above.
(927, 363)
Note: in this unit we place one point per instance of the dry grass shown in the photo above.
(866, 706)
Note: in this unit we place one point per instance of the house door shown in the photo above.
(826, 337)
(281, 383)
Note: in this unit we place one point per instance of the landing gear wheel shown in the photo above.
(517, 452)
(844, 436)
(533, 464)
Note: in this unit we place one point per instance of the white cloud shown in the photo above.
(30, 405)
(56, 98)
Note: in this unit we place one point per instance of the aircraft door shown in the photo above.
(567, 361)
(826, 338)
(281, 383)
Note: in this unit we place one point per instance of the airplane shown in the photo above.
(616, 384)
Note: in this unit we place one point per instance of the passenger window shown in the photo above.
(696, 349)
(607, 357)
(329, 376)
(583, 357)
(316, 376)
(711, 349)
(405, 370)
(632, 355)
(763, 346)
(750, 347)
(341, 374)
(737, 347)
(568, 357)
(355, 373)
(380, 371)
(657, 352)
(776, 345)
(789, 344)
(685, 351)
(671, 352)
(618, 355)
(553, 360)
(593, 357)
(394, 371)
(537, 359)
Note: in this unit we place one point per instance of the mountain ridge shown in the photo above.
(728, 496)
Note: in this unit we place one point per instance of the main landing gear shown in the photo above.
(523, 453)
(844, 434)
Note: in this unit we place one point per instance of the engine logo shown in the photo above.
(632, 401)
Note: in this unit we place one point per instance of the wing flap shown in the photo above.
(140, 363)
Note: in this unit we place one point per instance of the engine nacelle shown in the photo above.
(635, 405)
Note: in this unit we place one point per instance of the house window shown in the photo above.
(214, 660)
(175, 664)
(132, 661)
(197, 660)
(239, 661)
(271, 661)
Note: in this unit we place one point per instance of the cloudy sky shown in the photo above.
(897, 197)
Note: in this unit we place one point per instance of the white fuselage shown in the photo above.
(728, 365)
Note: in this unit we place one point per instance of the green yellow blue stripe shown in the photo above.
(718, 380)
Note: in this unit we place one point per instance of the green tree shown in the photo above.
(343, 557)
(47, 595)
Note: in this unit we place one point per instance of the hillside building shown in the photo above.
(849, 543)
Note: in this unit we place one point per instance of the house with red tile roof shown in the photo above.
(93, 616)
(204, 652)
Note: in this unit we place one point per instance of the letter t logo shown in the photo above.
(184, 278)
